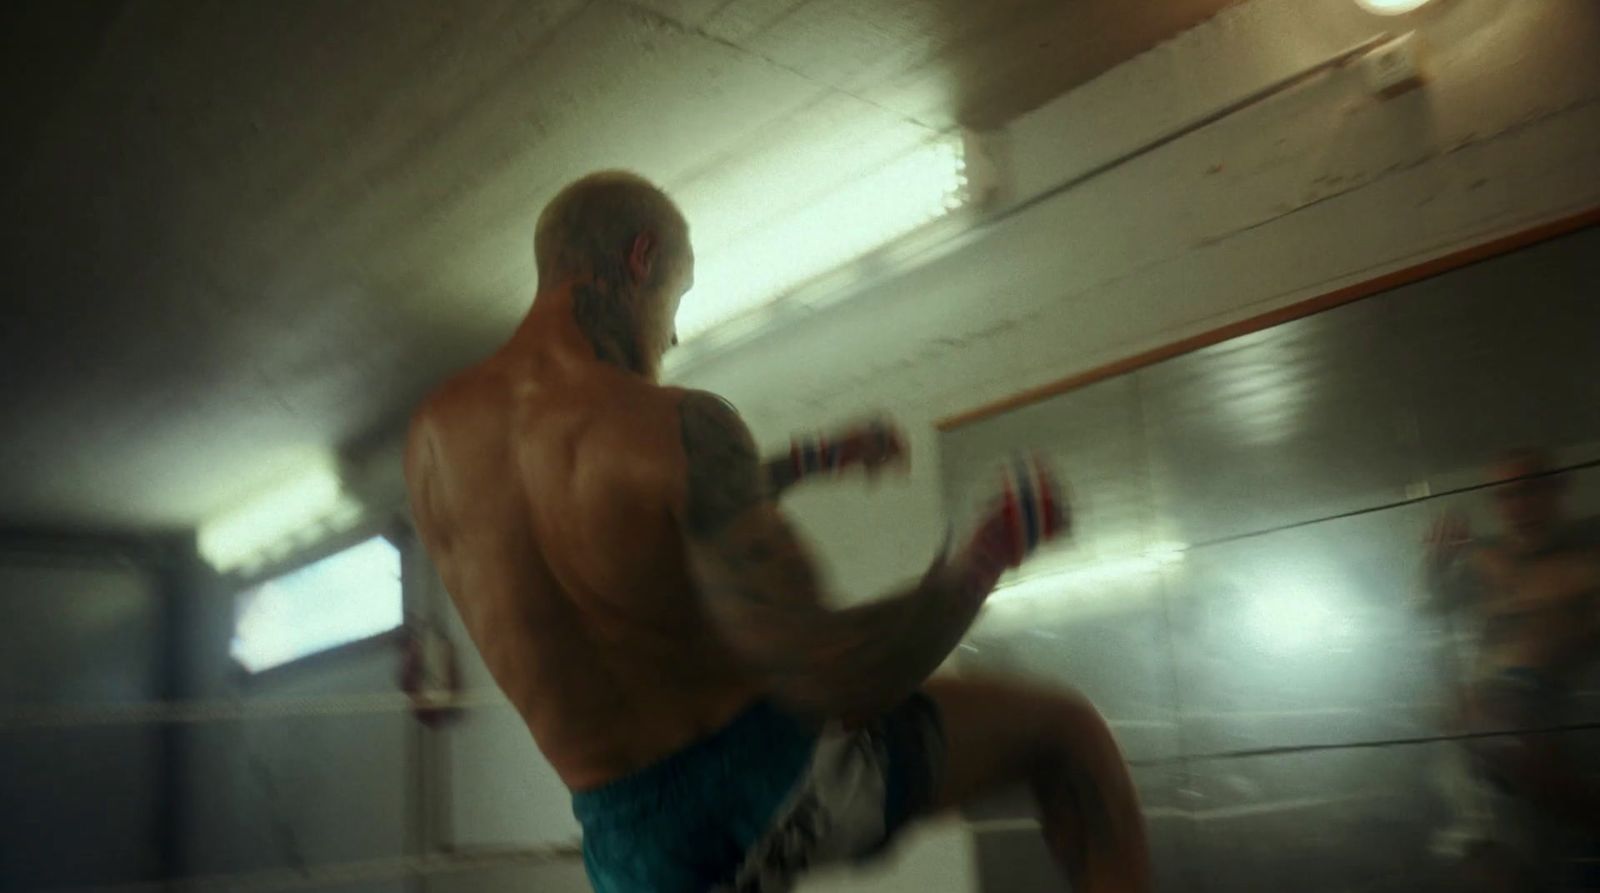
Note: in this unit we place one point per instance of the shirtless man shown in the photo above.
(617, 553)
(1535, 592)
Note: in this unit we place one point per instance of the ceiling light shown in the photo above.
(1390, 7)
(301, 507)
(757, 268)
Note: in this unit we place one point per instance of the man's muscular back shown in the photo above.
(543, 490)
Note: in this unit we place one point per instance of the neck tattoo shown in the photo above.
(605, 321)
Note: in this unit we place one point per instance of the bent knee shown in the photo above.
(1067, 712)
(1047, 710)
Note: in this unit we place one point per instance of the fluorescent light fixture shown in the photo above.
(302, 507)
(1391, 7)
(1050, 582)
(760, 266)
(346, 597)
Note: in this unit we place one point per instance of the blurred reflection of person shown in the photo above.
(1532, 816)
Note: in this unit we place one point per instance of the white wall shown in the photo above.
(1310, 189)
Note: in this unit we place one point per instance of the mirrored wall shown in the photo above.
(1244, 595)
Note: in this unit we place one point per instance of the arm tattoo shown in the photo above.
(604, 320)
(763, 590)
(724, 476)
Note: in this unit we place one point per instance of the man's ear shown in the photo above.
(642, 258)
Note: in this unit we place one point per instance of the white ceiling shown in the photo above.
(246, 232)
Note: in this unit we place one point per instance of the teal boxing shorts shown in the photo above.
(755, 804)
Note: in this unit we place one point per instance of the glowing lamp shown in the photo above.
(1391, 7)
(303, 506)
(763, 265)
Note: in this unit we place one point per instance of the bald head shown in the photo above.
(618, 248)
(590, 229)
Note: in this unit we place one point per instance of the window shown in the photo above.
(345, 597)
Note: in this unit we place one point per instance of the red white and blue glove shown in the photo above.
(871, 446)
(1030, 510)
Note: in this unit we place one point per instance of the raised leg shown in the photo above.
(1003, 734)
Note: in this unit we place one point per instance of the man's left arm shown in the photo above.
(869, 445)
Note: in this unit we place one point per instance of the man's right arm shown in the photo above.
(759, 586)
